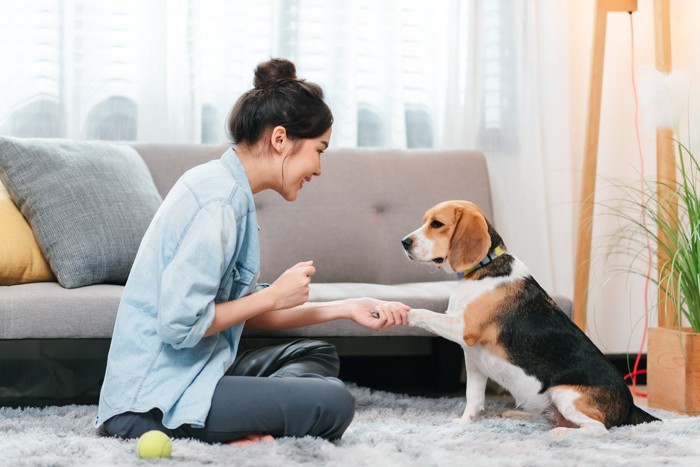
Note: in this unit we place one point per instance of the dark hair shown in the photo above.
(279, 98)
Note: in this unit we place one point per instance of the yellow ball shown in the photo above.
(153, 444)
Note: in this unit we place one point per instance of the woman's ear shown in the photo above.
(279, 139)
(470, 240)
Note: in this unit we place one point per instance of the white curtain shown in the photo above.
(488, 74)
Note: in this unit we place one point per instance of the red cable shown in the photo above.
(636, 371)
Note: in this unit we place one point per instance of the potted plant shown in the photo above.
(673, 352)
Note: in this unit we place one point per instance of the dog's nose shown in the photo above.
(407, 242)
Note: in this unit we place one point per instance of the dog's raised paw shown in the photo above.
(416, 316)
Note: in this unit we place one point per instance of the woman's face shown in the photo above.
(298, 168)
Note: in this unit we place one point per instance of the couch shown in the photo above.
(349, 221)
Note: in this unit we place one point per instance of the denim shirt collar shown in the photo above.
(233, 164)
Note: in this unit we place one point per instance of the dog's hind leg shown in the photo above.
(578, 408)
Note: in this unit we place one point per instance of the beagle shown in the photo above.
(512, 331)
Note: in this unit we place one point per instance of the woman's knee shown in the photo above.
(335, 405)
(318, 347)
(312, 357)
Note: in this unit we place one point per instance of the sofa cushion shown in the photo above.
(366, 202)
(88, 203)
(45, 310)
(351, 219)
(48, 311)
(21, 260)
(167, 162)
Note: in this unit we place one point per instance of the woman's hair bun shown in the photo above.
(269, 73)
(279, 98)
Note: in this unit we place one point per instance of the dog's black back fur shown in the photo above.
(539, 338)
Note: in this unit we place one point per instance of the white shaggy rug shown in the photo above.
(388, 430)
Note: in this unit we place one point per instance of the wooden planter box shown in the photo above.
(673, 370)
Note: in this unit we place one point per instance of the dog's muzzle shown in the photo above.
(407, 243)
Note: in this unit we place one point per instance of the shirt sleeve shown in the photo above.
(191, 279)
(261, 286)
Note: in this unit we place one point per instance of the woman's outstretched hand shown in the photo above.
(378, 314)
(292, 287)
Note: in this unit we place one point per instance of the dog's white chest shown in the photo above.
(468, 291)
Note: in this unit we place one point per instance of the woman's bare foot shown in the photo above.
(251, 439)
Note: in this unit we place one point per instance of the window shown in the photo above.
(499, 102)
(212, 122)
(70, 62)
(395, 73)
(39, 118)
(369, 128)
(419, 132)
(112, 119)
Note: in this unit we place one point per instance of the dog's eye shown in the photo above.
(436, 224)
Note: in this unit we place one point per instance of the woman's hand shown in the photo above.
(378, 314)
(292, 287)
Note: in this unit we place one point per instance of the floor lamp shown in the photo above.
(590, 156)
(666, 164)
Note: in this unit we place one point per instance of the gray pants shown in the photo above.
(285, 390)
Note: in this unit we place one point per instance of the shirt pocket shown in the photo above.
(236, 282)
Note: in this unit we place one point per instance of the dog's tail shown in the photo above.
(637, 416)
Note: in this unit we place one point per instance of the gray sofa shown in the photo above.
(349, 221)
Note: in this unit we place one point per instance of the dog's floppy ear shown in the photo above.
(470, 240)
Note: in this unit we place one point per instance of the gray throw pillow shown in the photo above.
(88, 203)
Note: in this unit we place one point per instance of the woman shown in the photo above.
(174, 364)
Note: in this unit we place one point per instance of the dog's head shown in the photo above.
(455, 233)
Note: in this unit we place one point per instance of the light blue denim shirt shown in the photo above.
(201, 248)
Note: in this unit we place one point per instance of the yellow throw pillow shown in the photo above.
(21, 260)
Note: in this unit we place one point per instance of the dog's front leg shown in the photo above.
(451, 327)
(448, 326)
(476, 391)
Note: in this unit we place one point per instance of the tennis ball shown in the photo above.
(154, 444)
